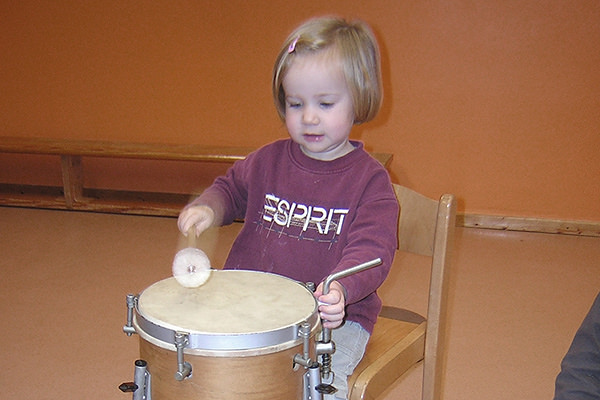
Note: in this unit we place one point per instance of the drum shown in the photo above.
(241, 330)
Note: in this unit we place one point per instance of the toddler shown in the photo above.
(317, 202)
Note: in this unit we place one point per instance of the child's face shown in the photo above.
(319, 113)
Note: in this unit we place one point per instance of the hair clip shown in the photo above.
(293, 45)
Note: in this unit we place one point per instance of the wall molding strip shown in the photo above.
(525, 224)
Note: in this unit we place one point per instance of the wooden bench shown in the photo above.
(74, 196)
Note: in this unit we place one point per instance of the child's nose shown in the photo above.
(310, 116)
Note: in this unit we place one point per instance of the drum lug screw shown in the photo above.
(304, 358)
(131, 303)
(184, 369)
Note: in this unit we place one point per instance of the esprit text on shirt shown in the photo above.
(285, 213)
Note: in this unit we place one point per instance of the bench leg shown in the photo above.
(72, 175)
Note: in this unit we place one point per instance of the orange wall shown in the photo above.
(495, 101)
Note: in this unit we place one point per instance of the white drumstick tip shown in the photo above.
(191, 267)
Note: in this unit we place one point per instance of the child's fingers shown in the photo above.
(331, 309)
(331, 320)
(185, 221)
(199, 217)
(331, 305)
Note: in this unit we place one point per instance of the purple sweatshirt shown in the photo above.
(306, 218)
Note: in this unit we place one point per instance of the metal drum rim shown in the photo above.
(199, 342)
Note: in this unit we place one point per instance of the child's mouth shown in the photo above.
(313, 137)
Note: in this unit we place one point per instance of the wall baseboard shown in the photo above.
(523, 224)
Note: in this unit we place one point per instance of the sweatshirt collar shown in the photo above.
(332, 166)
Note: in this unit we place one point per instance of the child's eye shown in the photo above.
(294, 104)
(326, 104)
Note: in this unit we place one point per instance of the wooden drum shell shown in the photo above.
(262, 370)
(262, 377)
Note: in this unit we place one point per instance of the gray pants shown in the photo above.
(350, 341)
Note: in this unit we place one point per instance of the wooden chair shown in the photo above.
(402, 338)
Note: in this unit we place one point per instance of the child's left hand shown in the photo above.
(333, 304)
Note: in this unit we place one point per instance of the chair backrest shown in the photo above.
(426, 227)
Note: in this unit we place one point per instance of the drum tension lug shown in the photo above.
(131, 303)
(184, 369)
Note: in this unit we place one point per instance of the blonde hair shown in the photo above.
(355, 46)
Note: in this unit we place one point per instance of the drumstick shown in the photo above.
(191, 237)
(191, 266)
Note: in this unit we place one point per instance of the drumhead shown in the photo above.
(234, 309)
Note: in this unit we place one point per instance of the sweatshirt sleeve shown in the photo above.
(373, 234)
(579, 377)
(228, 194)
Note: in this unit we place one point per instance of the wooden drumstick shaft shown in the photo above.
(207, 241)
(191, 237)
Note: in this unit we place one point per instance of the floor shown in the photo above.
(516, 301)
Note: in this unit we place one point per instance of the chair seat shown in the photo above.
(397, 343)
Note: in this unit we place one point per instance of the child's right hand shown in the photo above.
(199, 217)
